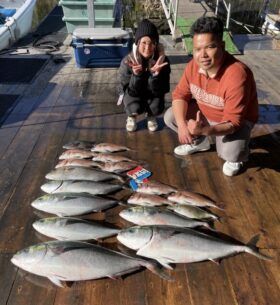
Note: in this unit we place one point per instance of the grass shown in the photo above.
(184, 25)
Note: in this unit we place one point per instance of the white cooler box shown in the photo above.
(101, 47)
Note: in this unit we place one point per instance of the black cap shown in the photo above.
(146, 28)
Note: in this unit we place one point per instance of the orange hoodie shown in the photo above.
(230, 96)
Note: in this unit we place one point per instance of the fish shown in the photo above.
(107, 157)
(155, 216)
(154, 187)
(115, 167)
(75, 162)
(68, 204)
(192, 211)
(81, 173)
(79, 145)
(148, 200)
(62, 261)
(111, 167)
(108, 147)
(76, 154)
(170, 245)
(80, 186)
(191, 198)
(69, 228)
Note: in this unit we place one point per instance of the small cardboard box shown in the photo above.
(101, 47)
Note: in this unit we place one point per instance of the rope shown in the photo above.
(48, 46)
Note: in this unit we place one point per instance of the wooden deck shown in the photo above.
(65, 103)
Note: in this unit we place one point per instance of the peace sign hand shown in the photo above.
(155, 69)
(136, 67)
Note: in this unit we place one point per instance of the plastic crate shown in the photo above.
(76, 13)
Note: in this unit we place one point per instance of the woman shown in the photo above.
(144, 76)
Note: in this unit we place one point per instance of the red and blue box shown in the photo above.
(101, 47)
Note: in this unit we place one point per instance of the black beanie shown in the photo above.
(146, 28)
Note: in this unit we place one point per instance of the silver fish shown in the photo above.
(76, 154)
(191, 198)
(77, 261)
(154, 187)
(169, 245)
(192, 211)
(81, 173)
(155, 216)
(79, 145)
(67, 228)
(148, 200)
(108, 147)
(103, 157)
(88, 187)
(69, 204)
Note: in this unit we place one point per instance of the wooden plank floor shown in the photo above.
(65, 103)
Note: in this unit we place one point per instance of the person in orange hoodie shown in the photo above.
(216, 96)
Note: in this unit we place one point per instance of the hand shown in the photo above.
(155, 69)
(184, 135)
(136, 67)
(196, 126)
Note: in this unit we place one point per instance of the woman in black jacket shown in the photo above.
(144, 76)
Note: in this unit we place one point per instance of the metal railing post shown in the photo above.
(167, 14)
(228, 15)
(217, 7)
(175, 18)
(91, 13)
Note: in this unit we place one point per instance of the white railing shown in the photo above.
(91, 13)
(171, 12)
(228, 9)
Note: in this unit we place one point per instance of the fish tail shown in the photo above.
(251, 247)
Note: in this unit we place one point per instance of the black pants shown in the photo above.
(137, 105)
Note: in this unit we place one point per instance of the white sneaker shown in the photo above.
(232, 168)
(188, 149)
(131, 124)
(152, 123)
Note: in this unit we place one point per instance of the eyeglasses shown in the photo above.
(148, 44)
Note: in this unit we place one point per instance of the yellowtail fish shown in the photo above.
(170, 245)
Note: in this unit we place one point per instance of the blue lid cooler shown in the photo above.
(101, 47)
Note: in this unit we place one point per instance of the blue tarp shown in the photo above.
(7, 12)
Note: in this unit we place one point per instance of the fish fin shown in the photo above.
(209, 225)
(58, 237)
(165, 264)
(56, 281)
(253, 241)
(220, 219)
(154, 268)
(216, 261)
(123, 249)
(114, 277)
(122, 203)
(251, 247)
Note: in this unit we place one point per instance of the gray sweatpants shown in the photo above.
(233, 147)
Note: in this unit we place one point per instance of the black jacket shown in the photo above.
(144, 84)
